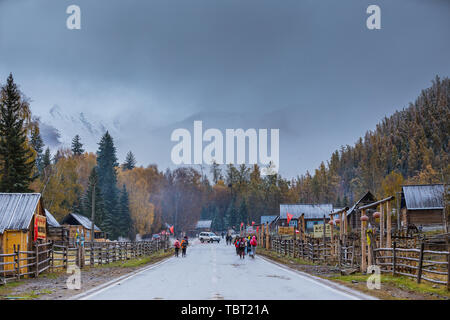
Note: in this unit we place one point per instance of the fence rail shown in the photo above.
(61, 255)
(420, 263)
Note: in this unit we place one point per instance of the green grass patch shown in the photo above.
(401, 282)
(137, 262)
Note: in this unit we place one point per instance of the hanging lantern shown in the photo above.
(330, 222)
(376, 215)
(338, 221)
(364, 218)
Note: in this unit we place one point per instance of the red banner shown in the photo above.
(171, 229)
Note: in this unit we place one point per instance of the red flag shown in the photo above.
(253, 223)
(289, 217)
(35, 229)
(257, 229)
(242, 224)
(171, 229)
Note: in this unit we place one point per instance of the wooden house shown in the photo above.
(81, 225)
(313, 214)
(55, 231)
(22, 221)
(422, 205)
(353, 214)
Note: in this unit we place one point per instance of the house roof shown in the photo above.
(81, 220)
(311, 211)
(267, 219)
(17, 209)
(203, 224)
(424, 197)
(51, 219)
(366, 197)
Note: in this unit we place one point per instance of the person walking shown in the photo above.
(184, 244)
(242, 248)
(177, 246)
(236, 244)
(253, 244)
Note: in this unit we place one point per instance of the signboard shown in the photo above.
(250, 230)
(318, 231)
(40, 227)
(286, 230)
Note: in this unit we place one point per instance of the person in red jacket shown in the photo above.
(253, 244)
(177, 247)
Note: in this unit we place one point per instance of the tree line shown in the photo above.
(411, 146)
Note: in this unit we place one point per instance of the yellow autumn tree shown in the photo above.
(138, 182)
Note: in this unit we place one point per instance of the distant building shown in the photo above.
(203, 225)
(313, 214)
(267, 219)
(422, 205)
(353, 214)
(76, 223)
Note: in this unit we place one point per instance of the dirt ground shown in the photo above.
(52, 286)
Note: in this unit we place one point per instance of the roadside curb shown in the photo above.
(106, 285)
(328, 283)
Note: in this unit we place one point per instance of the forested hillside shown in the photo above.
(412, 144)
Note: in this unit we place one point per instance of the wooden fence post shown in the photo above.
(393, 258)
(419, 270)
(36, 247)
(363, 244)
(388, 225)
(448, 263)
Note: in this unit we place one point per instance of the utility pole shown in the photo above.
(93, 183)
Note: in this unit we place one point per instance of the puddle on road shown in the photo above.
(277, 276)
(158, 298)
(217, 296)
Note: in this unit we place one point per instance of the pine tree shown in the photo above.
(16, 159)
(46, 159)
(38, 146)
(77, 146)
(107, 182)
(126, 223)
(130, 162)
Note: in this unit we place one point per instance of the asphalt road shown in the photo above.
(214, 271)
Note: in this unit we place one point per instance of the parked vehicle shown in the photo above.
(208, 237)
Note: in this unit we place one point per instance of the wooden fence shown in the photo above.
(57, 255)
(414, 258)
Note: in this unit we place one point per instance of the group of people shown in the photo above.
(181, 245)
(229, 239)
(245, 245)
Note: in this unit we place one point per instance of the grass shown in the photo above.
(400, 282)
(134, 263)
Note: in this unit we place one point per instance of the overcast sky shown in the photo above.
(141, 68)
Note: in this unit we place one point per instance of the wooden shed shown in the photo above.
(78, 224)
(353, 214)
(55, 231)
(22, 221)
(422, 205)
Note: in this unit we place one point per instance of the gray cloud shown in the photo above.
(310, 67)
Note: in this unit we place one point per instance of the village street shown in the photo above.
(214, 271)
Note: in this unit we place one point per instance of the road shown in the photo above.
(214, 271)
